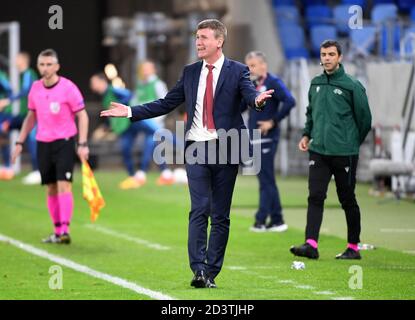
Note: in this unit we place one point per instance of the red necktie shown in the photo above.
(208, 101)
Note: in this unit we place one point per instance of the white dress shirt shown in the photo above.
(197, 132)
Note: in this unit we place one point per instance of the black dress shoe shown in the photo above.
(199, 279)
(349, 254)
(210, 283)
(305, 250)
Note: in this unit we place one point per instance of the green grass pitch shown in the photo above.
(123, 243)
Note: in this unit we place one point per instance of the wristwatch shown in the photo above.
(83, 144)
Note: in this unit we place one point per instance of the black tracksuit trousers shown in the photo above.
(321, 169)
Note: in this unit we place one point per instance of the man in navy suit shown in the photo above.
(212, 90)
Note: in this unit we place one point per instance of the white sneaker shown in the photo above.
(141, 176)
(32, 178)
(166, 178)
(258, 227)
(277, 227)
(180, 176)
(167, 174)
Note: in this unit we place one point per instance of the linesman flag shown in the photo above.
(91, 192)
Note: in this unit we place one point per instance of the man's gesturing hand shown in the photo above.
(116, 110)
(263, 96)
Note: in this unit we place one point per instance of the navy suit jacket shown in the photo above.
(233, 85)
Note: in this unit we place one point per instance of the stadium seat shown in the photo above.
(363, 40)
(320, 33)
(412, 14)
(390, 39)
(405, 5)
(308, 3)
(384, 12)
(341, 17)
(287, 15)
(362, 3)
(409, 44)
(277, 3)
(385, 17)
(375, 2)
(318, 14)
(293, 41)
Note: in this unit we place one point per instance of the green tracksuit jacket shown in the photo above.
(338, 114)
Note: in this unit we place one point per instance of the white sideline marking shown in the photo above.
(325, 293)
(305, 287)
(286, 281)
(236, 268)
(397, 230)
(342, 298)
(409, 251)
(266, 267)
(127, 237)
(86, 270)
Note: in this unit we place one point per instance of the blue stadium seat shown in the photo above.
(375, 2)
(341, 17)
(390, 39)
(409, 45)
(318, 14)
(412, 14)
(308, 3)
(363, 40)
(320, 33)
(293, 41)
(277, 3)
(405, 5)
(383, 12)
(287, 15)
(362, 3)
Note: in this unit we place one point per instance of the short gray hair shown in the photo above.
(256, 54)
(49, 53)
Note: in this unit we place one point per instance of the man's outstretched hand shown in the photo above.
(263, 96)
(116, 110)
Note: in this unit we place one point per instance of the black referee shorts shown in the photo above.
(56, 160)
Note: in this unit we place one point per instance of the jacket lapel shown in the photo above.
(195, 82)
(222, 76)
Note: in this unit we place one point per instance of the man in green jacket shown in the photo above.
(338, 120)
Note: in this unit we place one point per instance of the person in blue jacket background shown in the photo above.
(267, 121)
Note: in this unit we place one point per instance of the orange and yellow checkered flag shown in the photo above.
(91, 192)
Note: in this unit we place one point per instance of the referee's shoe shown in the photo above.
(53, 238)
(65, 238)
(305, 250)
(349, 254)
(61, 239)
